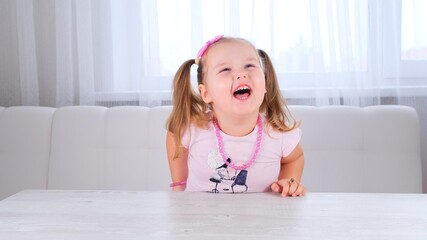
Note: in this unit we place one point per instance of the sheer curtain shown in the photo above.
(112, 52)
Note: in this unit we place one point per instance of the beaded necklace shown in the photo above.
(222, 150)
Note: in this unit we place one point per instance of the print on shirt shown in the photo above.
(224, 178)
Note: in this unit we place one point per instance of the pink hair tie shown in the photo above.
(206, 46)
(175, 184)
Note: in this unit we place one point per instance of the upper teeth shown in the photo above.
(242, 88)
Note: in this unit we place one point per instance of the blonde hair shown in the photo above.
(188, 106)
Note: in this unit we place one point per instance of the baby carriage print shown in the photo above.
(239, 180)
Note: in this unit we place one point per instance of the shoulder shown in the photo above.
(269, 129)
(295, 133)
(195, 131)
(285, 140)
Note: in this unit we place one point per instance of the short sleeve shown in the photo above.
(290, 140)
(185, 139)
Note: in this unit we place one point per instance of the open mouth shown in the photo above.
(242, 93)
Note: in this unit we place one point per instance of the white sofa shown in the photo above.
(347, 149)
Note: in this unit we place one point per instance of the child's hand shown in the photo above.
(288, 187)
(178, 188)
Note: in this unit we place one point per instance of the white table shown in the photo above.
(49, 214)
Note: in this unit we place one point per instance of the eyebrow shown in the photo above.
(220, 65)
(226, 63)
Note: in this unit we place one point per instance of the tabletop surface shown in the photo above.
(66, 214)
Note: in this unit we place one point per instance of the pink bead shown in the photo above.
(224, 155)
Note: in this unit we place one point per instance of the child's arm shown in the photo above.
(290, 174)
(178, 166)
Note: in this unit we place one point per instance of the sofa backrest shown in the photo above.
(25, 134)
(109, 148)
(352, 149)
(347, 149)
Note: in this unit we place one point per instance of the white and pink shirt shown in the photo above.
(206, 168)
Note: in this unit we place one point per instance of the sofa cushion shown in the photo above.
(24, 148)
(352, 149)
(109, 148)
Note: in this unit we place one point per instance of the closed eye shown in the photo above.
(249, 65)
(224, 70)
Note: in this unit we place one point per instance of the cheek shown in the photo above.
(261, 83)
(219, 88)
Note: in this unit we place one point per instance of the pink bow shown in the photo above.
(206, 46)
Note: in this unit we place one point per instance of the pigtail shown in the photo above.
(187, 105)
(274, 106)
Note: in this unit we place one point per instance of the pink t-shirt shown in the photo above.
(206, 169)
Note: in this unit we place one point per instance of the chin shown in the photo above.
(246, 111)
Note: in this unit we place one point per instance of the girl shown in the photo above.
(234, 136)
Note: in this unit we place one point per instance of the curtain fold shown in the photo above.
(27, 53)
(65, 47)
(85, 59)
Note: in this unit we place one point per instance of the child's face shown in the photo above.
(234, 79)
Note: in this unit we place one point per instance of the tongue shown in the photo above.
(241, 96)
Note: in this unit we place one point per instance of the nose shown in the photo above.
(241, 75)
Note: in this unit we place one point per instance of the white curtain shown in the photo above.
(113, 52)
